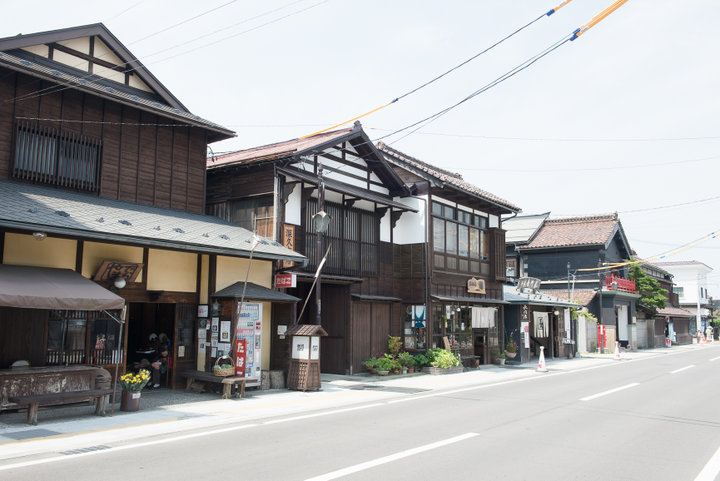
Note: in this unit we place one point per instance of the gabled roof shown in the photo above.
(587, 231)
(292, 151)
(160, 101)
(674, 312)
(33, 208)
(441, 177)
(521, 229)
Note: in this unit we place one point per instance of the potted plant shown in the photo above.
(372, 364)
(421, 360)
(385, 365)
(511, 348)
(132, 384)
(407, 361)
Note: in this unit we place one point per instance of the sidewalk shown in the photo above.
(166, 411)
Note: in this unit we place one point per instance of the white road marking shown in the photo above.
(325, 413)
(605, 393)
(682, 369)
(715, 358)
(123, 448)
(711, 469)
(388, 459)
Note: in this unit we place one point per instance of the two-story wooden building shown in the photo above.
(449, 260)
(102, 176)
(273, 190)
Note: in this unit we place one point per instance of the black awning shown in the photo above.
(468, 300)
(361, 297)
(254, 292)
(47, 288)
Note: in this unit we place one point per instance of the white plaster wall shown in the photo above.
(293, 208)
(411, 227)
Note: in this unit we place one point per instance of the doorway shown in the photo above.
(480, 345)
(146, 319)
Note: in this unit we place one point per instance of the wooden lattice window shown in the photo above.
(46, 155)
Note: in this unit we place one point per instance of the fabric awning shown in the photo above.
(47, 288)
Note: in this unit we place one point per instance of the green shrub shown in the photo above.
(443, 358)
(421, 360)
(406, 359)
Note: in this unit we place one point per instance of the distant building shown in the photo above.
(691, 287)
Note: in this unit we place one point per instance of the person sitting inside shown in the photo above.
(160, 365)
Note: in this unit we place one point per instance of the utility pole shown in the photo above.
(318, 247)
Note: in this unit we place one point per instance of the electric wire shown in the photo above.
(435, 79)
(70, 84)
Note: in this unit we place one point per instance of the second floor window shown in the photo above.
(355, 238)
(49, 156)
(459, 239)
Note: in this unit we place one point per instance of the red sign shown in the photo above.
(285, 280)
(240, 357)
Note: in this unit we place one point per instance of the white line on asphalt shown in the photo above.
(711, 469)
(325, 413)
(123, 448)
(715, 358)
(387, 459)
(605, 393)
(682, 369)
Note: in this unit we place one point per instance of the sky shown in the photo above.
(623, 119)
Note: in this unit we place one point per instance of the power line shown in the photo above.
(590, 169)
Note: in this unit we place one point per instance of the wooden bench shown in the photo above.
(33, 401)
(228, 382)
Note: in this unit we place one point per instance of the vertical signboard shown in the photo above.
(249, 330)
(240, 357)
(289, 242)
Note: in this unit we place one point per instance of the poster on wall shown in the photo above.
(567, 325)
(225, 331)
(249, 330)
(525, 332)
(215, 324)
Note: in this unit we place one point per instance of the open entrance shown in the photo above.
(151, 327)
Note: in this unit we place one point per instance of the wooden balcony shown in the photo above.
(620, 284)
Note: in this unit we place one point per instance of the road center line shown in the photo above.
(387, 459)
(682, 369)
(715, 358)
(711, 469)
(605, 393)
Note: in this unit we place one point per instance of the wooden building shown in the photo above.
(449, 260)
(273, 190)
(102, 173)
(672, 321)
(568, 255)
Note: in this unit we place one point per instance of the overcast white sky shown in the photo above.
(624, 119)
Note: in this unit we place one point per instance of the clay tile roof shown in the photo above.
(274, 151)
(674, 312)
(582, 296)
(396, 157)
(576, 231)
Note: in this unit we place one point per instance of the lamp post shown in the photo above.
(321, 221)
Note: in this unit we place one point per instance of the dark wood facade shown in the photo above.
(145, 158)
(359, 309)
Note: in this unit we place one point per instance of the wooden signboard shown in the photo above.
(288, 241)
(109, 270)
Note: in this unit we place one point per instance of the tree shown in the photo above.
(652, 296)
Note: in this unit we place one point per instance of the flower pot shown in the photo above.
(383, 373)
(405, 370)
(411, 369)
(510, 355)
(130, 401)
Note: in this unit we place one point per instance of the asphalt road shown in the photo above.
(647, 419)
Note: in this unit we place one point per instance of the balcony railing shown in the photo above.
(619, 284)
